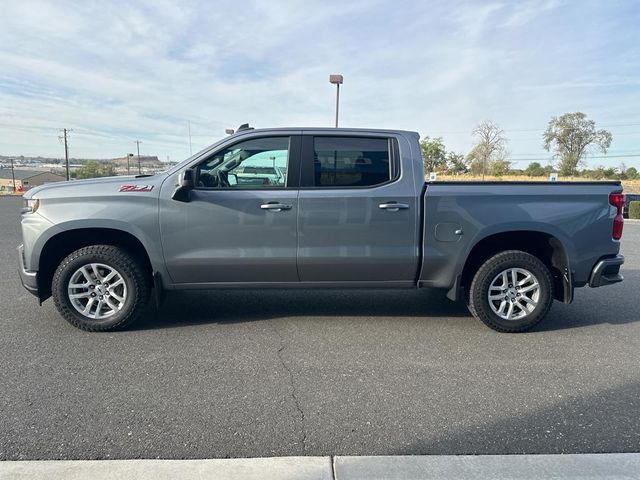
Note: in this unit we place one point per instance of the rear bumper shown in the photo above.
(606, 272)
(29, 279)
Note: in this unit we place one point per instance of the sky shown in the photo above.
(115, 72)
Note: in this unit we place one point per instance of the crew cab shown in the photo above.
(316, 208)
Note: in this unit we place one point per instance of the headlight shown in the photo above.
(31, 205)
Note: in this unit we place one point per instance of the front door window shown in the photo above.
(253, 164)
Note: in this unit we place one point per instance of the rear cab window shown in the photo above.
(348, 162)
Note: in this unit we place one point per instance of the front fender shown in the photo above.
(151, 246)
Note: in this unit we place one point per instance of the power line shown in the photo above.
(539, 155)
(548, 159)
(508, 130)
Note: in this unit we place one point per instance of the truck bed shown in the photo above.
(461, 217)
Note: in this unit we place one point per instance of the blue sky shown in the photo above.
(119, 71)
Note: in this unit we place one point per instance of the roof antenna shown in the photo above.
(244, 126)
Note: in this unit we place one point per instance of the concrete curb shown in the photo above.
(280, 468)
(612, 466)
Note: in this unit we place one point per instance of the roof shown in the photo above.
(327, 129)
(23, 174)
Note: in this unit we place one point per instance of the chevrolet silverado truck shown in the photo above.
(316, 208)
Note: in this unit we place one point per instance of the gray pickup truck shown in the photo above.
(315, 208)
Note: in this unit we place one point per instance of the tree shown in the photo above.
(433, 154)
(490, 147)
(500, 167)
(535, 170)
(632, 173)
(455, 163)
(94, 169)
(571, 136)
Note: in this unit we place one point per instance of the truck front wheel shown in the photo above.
(511, 292)
(100, 288)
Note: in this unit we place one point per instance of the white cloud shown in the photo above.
(119, 71)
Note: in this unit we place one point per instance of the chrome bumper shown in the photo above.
(606, 272)
(29, 279)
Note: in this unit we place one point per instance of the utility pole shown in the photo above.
(65, 132)
(129, 155)
(13, 177)
(138, 142)
(190, 148)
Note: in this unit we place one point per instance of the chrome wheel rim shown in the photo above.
(514, 294)
(97, 291)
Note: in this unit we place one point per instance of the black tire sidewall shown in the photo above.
(490, 269)
(116, 259)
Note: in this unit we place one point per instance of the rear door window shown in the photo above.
(350, 162)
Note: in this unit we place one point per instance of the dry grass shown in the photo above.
(630, 186)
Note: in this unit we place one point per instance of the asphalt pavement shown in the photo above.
(289, 373)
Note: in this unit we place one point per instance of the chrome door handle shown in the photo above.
(393, 206)
(275, 207)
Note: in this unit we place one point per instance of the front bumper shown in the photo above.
(29, 279)
(606, 272)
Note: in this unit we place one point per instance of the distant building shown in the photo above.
(145, 160)
(25, 179)
(148, 164)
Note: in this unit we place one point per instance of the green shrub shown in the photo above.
(634, 209)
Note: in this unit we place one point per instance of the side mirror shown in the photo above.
(186, 184)
(232, 178)
(187, 179)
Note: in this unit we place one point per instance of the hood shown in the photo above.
(94, 187)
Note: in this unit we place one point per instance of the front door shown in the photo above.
(240, 223)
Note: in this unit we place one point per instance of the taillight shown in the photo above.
(617, 200)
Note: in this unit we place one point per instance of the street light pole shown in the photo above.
(337, 80)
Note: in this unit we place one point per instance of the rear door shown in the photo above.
(357, 218)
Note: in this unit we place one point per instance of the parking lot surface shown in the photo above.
(279, 373)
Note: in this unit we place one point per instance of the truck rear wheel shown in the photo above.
(511, 292)
(100, 288)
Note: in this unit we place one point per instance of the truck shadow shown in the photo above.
(234, 306)
(575, 424)
(614, 305)
(609, 305)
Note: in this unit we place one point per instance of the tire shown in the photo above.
(85, 275)
(496, 312)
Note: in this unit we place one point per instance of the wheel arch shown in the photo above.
(62, 244)
(543, 245)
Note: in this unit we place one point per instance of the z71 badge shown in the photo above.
(136, 188)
